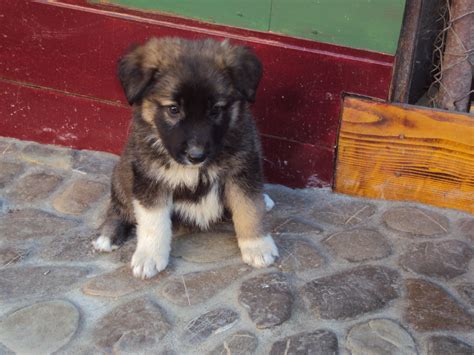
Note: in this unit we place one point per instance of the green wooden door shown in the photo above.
(367, 24)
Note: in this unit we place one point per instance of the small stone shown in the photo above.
(359, 245)
(119, 283)
(467, 228)
(267, 298)
(212, 322)
(319, 342)
(295, 225)
(10, 256)
(430, 308)
(56, 157)
(351, 293)
(416, 221)
(5, 351)
(8, 148)
(198, 287)
(75, 246)
(380, 336)
(28, 224)
(8, 171)
(206, 247)
(345, 213)
(41, 328)
(446, 259)
(297, 254)
(96, 219)
(35, 187)
(137, 325)
(79, 196)
(91, 162)
(466, 290)
(444, 345)
(240, 343)
(38, 281)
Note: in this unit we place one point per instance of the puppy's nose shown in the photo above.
(196, 154)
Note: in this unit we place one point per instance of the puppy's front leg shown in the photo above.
(154, 238)
(258, 249)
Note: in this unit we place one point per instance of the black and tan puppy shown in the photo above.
(192, 152)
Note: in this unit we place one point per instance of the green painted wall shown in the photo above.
(254, 14)
(367, 24)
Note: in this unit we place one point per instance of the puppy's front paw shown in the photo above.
(146, 264)
(103, 244)
(259, 252)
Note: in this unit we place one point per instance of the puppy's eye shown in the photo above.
(173, 110)
(215, 110)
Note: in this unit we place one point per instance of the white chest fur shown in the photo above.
(202, 213)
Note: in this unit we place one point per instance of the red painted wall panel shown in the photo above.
(73, 48)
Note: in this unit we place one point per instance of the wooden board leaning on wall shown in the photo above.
(401, 152)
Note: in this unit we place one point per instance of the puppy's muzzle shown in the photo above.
(196, 154)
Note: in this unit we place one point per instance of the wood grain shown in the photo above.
(401, 152)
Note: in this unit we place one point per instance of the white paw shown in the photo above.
(269, 204)
(103, 244)
(260, 252)
(146, 264)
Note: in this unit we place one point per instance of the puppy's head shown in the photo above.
(190, 92)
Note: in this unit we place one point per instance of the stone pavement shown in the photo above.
(355, 276)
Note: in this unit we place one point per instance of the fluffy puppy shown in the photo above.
(193, 150)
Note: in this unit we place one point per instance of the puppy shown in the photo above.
(193, 150)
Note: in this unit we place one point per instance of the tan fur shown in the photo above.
(247, 212)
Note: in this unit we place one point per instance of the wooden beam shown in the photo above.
(401, 152)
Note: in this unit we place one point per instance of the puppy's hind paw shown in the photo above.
(104, 244)
(259, 252)
(145, 264)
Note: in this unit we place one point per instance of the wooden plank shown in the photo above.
(368, 24)
(253, 14)
(400, 152)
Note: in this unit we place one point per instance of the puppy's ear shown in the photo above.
(134, 76)
(245, 70)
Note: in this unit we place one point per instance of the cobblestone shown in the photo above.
(206, 247)
(35, 187)
(466, 290)
(467, 228)
(41, 328)
(79, 196)
(119, 283)
(345, 213)
(431, 308)
(446, 259)
(55, 157)
(33, 224)
(240, 343)
(319, 342)
(197, 287)
(267, 298)
(359, 245)
(297, 254)
(137, 325)
(444, 345)
(213, 322)
(351, 293)
(380, 336)
(354, 276)
(416, 221)
(8, 170)
(38, 281)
